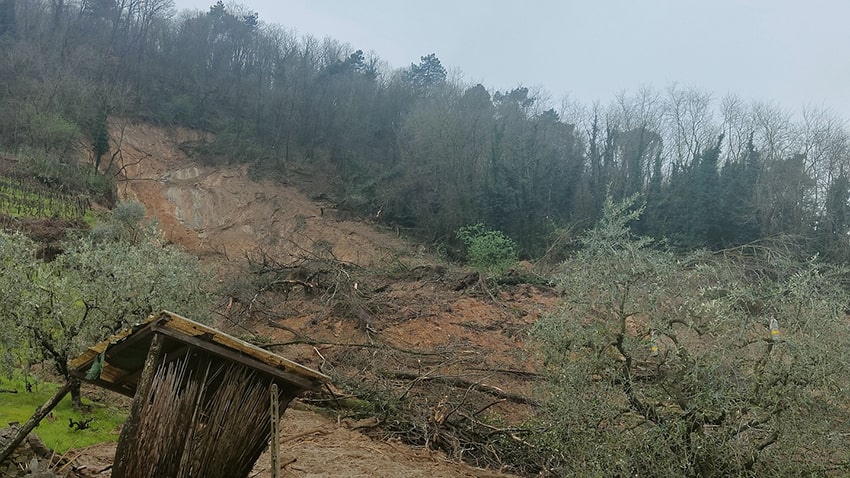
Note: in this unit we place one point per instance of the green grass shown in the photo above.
(90, 218)
(54, 430)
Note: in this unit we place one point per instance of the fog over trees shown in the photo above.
(431, 153)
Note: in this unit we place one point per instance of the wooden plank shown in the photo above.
(113, 374)
(124, 381)
(132, 339)
(127, 390)
(248, 361)
(85, 359)
(129, 340)
(168, 320)
(275, 431)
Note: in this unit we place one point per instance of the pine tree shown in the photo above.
(738, 221)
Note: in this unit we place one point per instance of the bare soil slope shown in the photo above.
(222, 210)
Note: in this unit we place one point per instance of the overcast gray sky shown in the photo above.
(791, 52)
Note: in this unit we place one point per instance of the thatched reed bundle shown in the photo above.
(212, 421)
(202, 404)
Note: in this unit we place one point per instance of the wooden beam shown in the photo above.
(275, 431)
(229, 354)
(169, 321)
(129, 379)
(115, 387)
(40, 413)
(85, 359)
(129, 341)
(128, 432)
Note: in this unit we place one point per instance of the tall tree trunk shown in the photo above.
(76, 394)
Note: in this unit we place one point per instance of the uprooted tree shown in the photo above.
(715, 364)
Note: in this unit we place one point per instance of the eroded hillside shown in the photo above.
(223, 210)
(425, 352)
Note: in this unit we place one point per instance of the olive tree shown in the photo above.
(17, 266)
(715, 364)
(89, 292)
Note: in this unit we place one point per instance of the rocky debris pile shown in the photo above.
(31, 459)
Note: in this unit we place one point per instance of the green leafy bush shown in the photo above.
(488, 250)
(66, 176)
(126, 223)
(51, 131)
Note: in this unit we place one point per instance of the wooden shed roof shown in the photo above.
(122, 356)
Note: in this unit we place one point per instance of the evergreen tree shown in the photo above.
(427, 75)
(652, 223)
(704, 221)
(834, 226)
(738, 221)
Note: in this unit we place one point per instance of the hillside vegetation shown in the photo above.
(653, 287)
(412, 146)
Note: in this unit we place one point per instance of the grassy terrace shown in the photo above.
(55, 430)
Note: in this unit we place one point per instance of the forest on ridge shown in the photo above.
(412, 146)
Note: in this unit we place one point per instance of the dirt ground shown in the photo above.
(224, 215)
(314, 446)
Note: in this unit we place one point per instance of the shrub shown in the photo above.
(51, 131)
(488, 250)
(667, 365)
